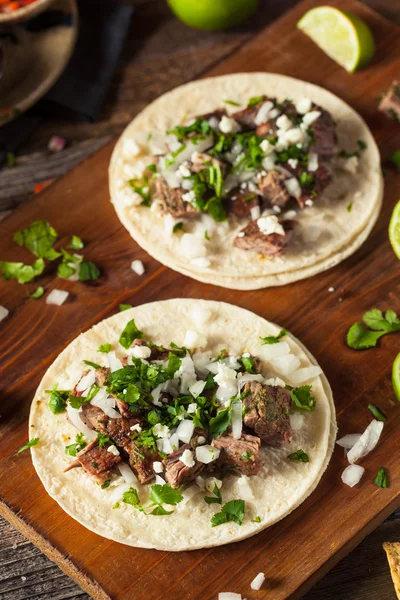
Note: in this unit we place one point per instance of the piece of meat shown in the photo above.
(242, 455)
(204, 160)
(322, 178)
(254, 239)
(141, 460)
(176, 472)
(101, 376)
(96, 461)
(171, 199)
(241, 203)
(390, 102)
(246, 117)
(157, 352)
(266, 129)
(324, 130)
(273, 188)
(129, 412)
(215, 114)
(267, 412)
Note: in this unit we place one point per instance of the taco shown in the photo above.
(182, 424)
(247, 180)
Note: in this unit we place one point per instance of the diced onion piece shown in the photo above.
(257, 582)
(285, 365)
(255, 213)
(185, 430)
(113, 361)
(74, 417)
(229, 596)
(232, 362)
(296, 421)
(367, 441)
(3, 312)
(268, 351)
(106, 403)
(192, 247)
(197, 388)
(127, 473)
(206, 454)
(304, 374)
(212, 367)
(137, 266)
(348, 441)
(57, 297)
(352, 475)
(245, 490)
(86, 381)
(249, 377)
(237, 419)
(193, 339)
(160, 480)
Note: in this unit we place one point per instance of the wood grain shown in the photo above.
(334, 518)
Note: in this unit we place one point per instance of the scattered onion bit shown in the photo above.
(258, 581)
(3, 312)
(367, 441)
(57, 297)
(352, 475)
(138, 267)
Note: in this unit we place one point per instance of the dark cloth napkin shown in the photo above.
(79, 92)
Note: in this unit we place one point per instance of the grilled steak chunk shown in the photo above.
(176, 472)
(97, 461)
(241, 203)
(157, 352)
(273, 189)
(172, 201)
(267, 412)
(254, 239)
(390, 102)
(246, 117)
(324, 134)
(141, 460)
(101, 375)
(215, 114)
(242, 455)
(265, 129)
(322, 178)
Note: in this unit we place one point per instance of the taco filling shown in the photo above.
(257, 166)
(174, 416)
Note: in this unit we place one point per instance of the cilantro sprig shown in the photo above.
(302, 397)
(274, 339)
(31, 443)
(366, 335)
(231, 511)
(216, 498)
(299, 456)
(159, 495)
(381, 479)
(130, 333)
(80, 444)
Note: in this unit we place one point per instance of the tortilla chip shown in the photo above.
(392, 550)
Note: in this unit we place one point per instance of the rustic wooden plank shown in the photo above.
(294, 306)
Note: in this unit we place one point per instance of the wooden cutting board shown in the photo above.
(297, 551)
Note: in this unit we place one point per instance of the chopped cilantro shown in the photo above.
(256, 520)
(130, 333)
(247, 455)
(302, 398)
(105, 485)
(254, 100)
(361, 144)
(395, 158)
(159, 495)
(88, 271)
(116, 505)
(141, 187)
(220, 422)
(76, 243)
(345, 154)
(91, 364)
(216, 498)
(65, 270)
(231, 511)
(231, 102)
(58, 400)
(123, 307)
(178, 227)
(31, 443)
(131, 497)
(378, 414)
(38, 293)
(103, 439)
(39, 239)
(306, 179)
(248, 363)
(360, 338)
(174, 362)
(80, 444)
(216, 209)
(104, 348)
(207, 237)
(22, 273)
(152, 168)
(381, 479)
(274, 339)
(299, 456)
(349, 207)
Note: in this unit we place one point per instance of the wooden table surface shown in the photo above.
(159, 54)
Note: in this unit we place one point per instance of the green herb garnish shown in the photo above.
(58, 400)
(88, 271)
(360, 338)
(80, 444)
(378, 414)
(159, 495)
(274, 339)
(104, 348)
(256, 520)
(216, 498)
(39, 239)
(231, 102)
(91, 364)
(231, 511)
(31, 443)
(247, 455)
(361, 144)
(381, 479)
(105, 485)
(103, 439)
(178, 227)
(22, 273)
(299, 456)
(123, 307)
(395, 158)
(349, 207)
(76, 243)
(302, 398)
(254, 100)
(220, 422)
(130, 333)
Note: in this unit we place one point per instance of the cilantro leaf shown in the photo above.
(58, 401)
(104, 348)
(105, 485)
(248, 363)
(160, 494)
(216, 498)
(274, 339)
(302, 398)
(361, 338)
(381, 479)
(256, 520)
(299, 456)
(80, 444)
(31, 443)
(378, 414)
(231, 511)
(220, 422)
(76, 243)
(38, 293)
(65, 270)
(22, 273)
(131, 497)
(375, 320)
(39, 239)
(130, 333)
(254, 100)
(231, 102)
(174, 362)
(103, 439)
(160, 511)
(178, 227)
(88, 271)
(123, 307)
(395, 158)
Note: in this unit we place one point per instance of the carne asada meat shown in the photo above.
(242, 455)
(172, 200)
(101, 376)
(157, 352)
(390, 102)
(324, 130)
(322, 178)
(141, 460)
(271, 244)
(246, 117)
(176, 472)
(267, 412)
(215, 114)
(97, 461)
(241, 203)
(273, 188)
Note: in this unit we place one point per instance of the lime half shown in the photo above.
(340, 34)
(396, 376)
(394, 229)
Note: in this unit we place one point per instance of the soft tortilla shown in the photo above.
(392, 550)
(332, 233)
(279, 488)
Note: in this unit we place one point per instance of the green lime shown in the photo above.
(396, 376)
(213, 14)
(394, 229)
(340, 34)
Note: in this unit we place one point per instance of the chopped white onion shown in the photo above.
(305, 374)
(113, 361)
(160, 480)
(127, 473)
(263, 112)
(257, 582)
(352, 475)
(137, 266)
(348, 441)
(57, 297)
(207, 454)
(185, 430)
(197, 388)
(296, 421)
(106, 403)
(237, 419)
(192, 247)
(187, 458)
(200, 481)
(285, 365)
(212, 367)
(232, 362)
(268, 351)
(255, 213)
(158, 467)
(3, 312)
(229, 596)
(193, 339)
(367, 441)
(86, 381)
(249, 377)
(74, 417)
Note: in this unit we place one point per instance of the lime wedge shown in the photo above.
(212, 14)
(340, 34)
(394, 229)
(396, 376)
